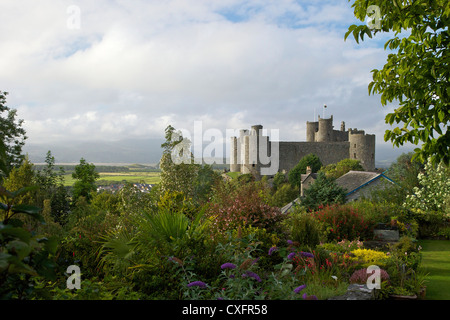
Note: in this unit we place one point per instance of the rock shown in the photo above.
(386, 235)
(356, 292)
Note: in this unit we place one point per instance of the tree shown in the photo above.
(342, 167)
(178, 175)
(416, 75)
(86, 175)
(4, 170)
(323, 191)
(19, 178)
(433, 192)
(310, 160)
(278, 180)
(12, 134)
(52, 188)
(403, 172)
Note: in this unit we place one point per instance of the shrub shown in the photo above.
(310, 160)
(323, 191)
(430, 223)
(305, 229)
(344, 246)
(284, 194)
(368, 257)
(343, 222)
(244, 205)
(360, 276)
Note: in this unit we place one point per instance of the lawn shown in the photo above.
(436, 261)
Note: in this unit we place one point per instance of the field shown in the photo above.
(119, 174)
(107, 178)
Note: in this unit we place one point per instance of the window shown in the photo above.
(354, 155)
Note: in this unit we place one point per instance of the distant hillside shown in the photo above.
(125, 151)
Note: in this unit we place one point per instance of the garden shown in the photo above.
(198, 236)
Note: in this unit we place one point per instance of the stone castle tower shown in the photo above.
(331, 146)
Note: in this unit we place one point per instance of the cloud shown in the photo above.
(133, 67)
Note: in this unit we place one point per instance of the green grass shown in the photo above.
(233, 175)
(114, 177)
(436, 261)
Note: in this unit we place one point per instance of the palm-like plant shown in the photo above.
(159, 234)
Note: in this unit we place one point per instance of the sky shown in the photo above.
(112, 70)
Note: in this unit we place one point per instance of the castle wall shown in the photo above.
(340, 135)
(328, 152)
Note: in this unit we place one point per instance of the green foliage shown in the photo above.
(52, 187)
(23, 254)
(341, 168)
(404, 266)
(305, 229)
(278, 180)
(433, 190)
(241, 277)
(12, 136)
(85, 174)
(310, 160)
(283, 195)
(178, 175)
(416, 73)
(403, 172)
(430, 223)
(19, 178)
(323, 191)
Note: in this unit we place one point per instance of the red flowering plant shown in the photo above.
(320, 264)
(244, 206)
(343, 222)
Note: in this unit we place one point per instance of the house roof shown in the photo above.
(304, 176)
(353, 180)
(287, 208)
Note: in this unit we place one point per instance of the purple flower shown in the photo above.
(290, 242)
(307, 254)
(306, 297)
(228, 265)
(298, 289)
(197, 284)
(252, 275)
(272, 250)
(291, 255)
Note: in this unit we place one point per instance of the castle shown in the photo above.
(331, 146)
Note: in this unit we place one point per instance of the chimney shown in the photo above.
(308, 170)
(342, 126)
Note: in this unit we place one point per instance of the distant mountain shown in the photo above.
(143, 151)
(386, 154)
